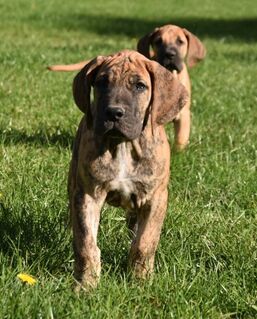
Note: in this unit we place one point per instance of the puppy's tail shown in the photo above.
(68, 67)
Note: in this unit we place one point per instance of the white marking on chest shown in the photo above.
(122, 181)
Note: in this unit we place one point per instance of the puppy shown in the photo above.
(171, 46)
(121, 155)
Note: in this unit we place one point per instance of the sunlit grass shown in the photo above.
(206, 264)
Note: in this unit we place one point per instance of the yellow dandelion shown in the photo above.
(26, 278)
(1, 195)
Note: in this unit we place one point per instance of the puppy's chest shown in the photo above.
(126, 178)
(122, 183)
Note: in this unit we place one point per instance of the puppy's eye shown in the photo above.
(179, 41)
(140, 86)
(101, 82)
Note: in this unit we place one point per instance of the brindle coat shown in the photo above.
(170, 45)
(121, 155)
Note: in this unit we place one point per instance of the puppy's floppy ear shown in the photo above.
(168, 94)
(143, 45)
(82, 84)
(196, 50)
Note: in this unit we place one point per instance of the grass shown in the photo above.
(206, 264)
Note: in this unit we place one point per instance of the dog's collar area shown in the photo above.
(113, 143)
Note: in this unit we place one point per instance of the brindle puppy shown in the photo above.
(121, 155)
(170, 45)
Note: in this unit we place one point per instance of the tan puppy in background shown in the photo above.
(171, 45)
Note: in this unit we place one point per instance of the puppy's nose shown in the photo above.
(171, 53)
(114, 113)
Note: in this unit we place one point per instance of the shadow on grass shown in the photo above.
(241, 29)
(44, 242)
(45, 138)
(38, 240)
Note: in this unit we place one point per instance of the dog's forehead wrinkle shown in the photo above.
(124, 70)
(170, 33)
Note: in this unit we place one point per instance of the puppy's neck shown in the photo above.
(116, 146)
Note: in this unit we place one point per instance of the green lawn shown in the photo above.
(206, 265)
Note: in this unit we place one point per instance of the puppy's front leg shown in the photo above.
(150, 220)
(85, 221)
(182, 128)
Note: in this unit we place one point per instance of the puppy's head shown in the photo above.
(170, 45)
(128, 89)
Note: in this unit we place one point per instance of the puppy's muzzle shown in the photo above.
(171, 54)
(120, 123)
(171, 59)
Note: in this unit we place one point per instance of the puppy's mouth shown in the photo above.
(172, 65)
(122, 131)
(115, 134)
(170, 62)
